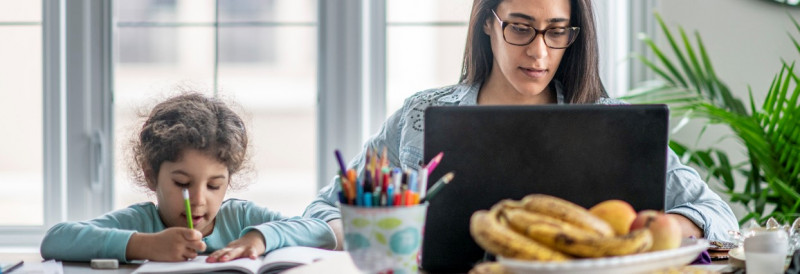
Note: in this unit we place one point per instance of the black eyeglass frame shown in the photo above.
(536, 32)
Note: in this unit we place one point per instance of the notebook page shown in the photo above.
(293, 256)
(199, 264)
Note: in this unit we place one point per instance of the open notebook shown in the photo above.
(274, 262)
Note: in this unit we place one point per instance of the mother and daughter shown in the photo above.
(518, 52)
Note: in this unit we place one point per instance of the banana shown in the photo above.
(496, 237)
(568, 238)
(567, 211)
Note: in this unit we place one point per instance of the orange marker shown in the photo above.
(351, 178)
(347, 189)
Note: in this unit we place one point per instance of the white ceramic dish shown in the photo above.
(737, 253)
(736, 257)
(637, 263)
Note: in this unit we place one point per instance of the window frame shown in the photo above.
(52, 141)
(89, 115)
(54, 118)
(618, 24)
(641, 21)
(77, 117)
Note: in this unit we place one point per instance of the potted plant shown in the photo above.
(769, 131)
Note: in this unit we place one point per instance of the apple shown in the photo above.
(617, 213)
(643, 219)
(665, 230)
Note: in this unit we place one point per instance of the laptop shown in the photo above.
(582, 153)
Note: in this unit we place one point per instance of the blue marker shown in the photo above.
(367, 199)
(412, 180)
(390, 195)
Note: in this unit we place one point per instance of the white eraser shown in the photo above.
(105, 263)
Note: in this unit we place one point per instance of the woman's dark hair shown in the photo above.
(578, 71)
(189, 121)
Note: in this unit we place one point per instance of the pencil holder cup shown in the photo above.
(384, 239)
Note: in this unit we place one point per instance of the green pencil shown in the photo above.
(188, 208)
(438, 186)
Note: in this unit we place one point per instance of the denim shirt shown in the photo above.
(402, 133)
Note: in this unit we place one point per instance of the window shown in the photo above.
(424, 44)
(21, 147)
(136, 45)
(260, 54)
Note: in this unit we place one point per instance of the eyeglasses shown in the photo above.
(519, 34)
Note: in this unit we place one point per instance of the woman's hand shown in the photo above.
(251, 245)
(336, 226)
(688, 228)
(170, 245)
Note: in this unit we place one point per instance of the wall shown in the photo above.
(746, 40)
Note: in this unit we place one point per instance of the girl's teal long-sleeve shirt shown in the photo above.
(107, 236)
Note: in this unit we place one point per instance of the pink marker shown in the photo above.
(434, 162)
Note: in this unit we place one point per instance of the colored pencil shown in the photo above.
(189, 221)
(438, 186)
(434, 162)
(342, 168)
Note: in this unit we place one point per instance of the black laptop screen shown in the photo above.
(583, 153)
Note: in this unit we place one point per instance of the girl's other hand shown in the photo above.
(251, 245)
(170, 245)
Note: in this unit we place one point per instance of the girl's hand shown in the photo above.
(170, 245)
(251, 245)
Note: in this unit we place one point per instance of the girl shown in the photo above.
(522, 52)
(195, 143)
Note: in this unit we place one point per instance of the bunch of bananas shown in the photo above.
(546, 228)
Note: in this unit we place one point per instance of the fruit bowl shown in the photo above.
(637, 263)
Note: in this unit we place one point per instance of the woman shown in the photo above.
(522, 52)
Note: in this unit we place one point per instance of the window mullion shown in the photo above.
(374, 76)
(89, 190)
(53, 45)
(339, 85)
(642, 21)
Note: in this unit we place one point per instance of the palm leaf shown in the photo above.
(678, 54)
(769, 133)
(655, 69)
(664, 60)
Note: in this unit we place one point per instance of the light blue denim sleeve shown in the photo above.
(103, 237)
(280, 231)
(688, 195)
(324, 206)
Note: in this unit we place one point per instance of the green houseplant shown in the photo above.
(769, 131)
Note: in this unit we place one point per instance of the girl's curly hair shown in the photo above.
(189, 121)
